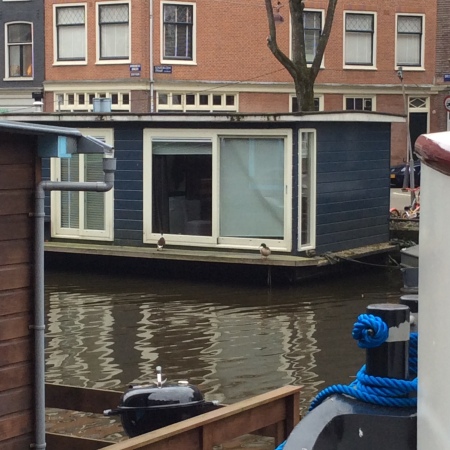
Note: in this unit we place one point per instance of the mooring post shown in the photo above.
(390, 359)
(412, 302)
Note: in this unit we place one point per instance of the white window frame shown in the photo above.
(57, 231)
(68, 62)
(198, 104)
(63, 100)
(322, 19)
(7, 45)
(313, 192)
(421, 66)
(100, 60)
(357, 66)
(188, 62)
(214, 135)
(372, 98)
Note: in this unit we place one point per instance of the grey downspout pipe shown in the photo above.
(109, 167)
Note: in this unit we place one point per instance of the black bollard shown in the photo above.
(412, 301)
(390, 359)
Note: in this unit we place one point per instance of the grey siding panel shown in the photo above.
(352, 185)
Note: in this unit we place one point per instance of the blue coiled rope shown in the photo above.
(370, 332)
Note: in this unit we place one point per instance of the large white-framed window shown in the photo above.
(354, 103)
(359, 40)
(70, 33)
(82, 215)
(114, 27)
(409, 42)
(307, 149)
(222, 188)
(178, 38)
(19, 50)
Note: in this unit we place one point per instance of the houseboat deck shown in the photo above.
(219, 256)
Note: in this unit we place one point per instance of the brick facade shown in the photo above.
(230, 56)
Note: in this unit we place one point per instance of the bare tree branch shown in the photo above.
(304, 76)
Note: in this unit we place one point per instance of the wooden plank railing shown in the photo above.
(272, 414)
(80, 399)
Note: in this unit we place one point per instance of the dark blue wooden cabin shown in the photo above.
(303, 184)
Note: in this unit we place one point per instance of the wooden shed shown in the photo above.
(22, 410)
(18, 177)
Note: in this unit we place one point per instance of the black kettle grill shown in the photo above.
(147, 408)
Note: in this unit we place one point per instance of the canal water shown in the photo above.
(232, 339)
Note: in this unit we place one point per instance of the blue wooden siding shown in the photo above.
(128, 185)
(352, 185)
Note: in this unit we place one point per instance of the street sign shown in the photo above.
(447, 103)
(135, 70)
(162, 69)
(446, 76)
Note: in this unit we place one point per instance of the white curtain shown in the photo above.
(71, 33)
(408, 40)
(94, 202)
(358, 39)
(70, 201)
(114, 40)
(252, 187)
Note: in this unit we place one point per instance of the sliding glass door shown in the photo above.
(218, 188)
(252, 187)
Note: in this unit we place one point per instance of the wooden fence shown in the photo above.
(272, 414)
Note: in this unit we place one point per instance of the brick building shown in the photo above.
(22, 53)
(211, 55)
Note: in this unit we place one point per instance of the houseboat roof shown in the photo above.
(319, 116)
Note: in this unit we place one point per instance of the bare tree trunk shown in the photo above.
(304, 76)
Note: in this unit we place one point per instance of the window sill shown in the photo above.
(109, 62)
(411, 68)
(177, 62)
(19, 79)
(69, 63)
(360, 68)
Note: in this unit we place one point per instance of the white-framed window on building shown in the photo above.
(70, 25)
(114, 31)
(82, 215)
(318, 103)
(189, 173)
(84, 101)
(359, 103)
(359, 48)
(409, 50)
(307, 189)
(19, 50)
(178, 32)
(211, 102)
(312, 23)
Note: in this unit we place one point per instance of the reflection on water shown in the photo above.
(232, 341)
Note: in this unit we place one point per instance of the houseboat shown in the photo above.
(313, 187)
